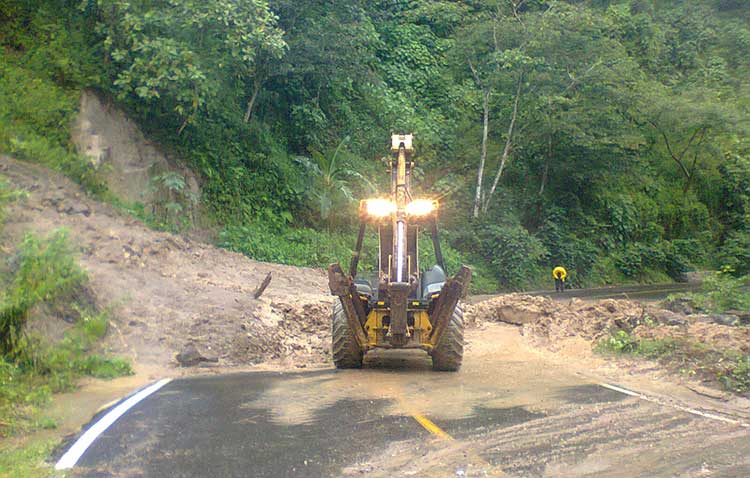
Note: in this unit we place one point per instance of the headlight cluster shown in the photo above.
(381, 208)
(421, 207)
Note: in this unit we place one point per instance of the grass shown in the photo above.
(33, 369)
(27, 460)
(28, 384)
(729, 368)
(46, 270)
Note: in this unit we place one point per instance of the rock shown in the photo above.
(720, 319)
(725, 319)
(681, 305)
(77, 208)
(190, 357)
(743, 315)
(663, 316)
(122, 154)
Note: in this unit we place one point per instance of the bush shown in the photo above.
(512, 252)
(31, 370)
(649, 262)
(482, 279)
(27, 383)
(46, 269)
(302, 247)
(737, 376)
(721, 292)
(735, 253)
(619, 342)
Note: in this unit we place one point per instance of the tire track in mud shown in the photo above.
(617, 439)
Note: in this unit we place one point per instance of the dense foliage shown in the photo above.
(610, 136)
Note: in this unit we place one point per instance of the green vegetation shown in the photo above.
(46, 369)
(44, 272)
(607, 136)
(730, 368)
(621, 342)
(40, 80)
(28, 461)
(720, 292)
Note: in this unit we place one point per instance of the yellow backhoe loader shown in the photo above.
(401, 306)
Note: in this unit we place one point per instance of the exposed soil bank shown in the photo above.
(167, 291)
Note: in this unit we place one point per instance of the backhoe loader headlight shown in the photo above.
(421, 207)
(379, 207)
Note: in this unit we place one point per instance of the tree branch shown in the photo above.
(508, 145)
(514, 8)
(576, 81)
(483, 155)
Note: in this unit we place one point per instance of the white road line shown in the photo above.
(693, 411)
(74, 453)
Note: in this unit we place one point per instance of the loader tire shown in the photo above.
(346, 351)
(449, 352)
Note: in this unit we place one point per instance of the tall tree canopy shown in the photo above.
(609, 135)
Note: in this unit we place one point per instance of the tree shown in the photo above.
(168, 51)
(331, 181)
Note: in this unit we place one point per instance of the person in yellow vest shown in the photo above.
(559, 274)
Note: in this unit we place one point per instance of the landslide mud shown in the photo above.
(165, 291)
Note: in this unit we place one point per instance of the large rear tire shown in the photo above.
(346, 351)
(449, 352)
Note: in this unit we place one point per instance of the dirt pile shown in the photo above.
(549, 323)
(166, 292)
(548, 320)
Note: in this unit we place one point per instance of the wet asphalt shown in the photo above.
(330, 424)
(203, 427)
(216, 427)
(508, 412)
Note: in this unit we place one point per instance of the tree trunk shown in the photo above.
(251, 103)
(508, 146)
(183, 125)
(483, 154)
(545, 175)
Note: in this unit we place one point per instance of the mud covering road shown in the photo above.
(509, 412)
(165, 291)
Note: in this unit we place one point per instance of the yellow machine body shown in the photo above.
(376, 329)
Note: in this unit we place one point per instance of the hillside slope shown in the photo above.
(167, 291)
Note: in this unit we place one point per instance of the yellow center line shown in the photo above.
(430, 426)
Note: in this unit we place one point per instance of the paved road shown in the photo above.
(507, 413)
(648, 292)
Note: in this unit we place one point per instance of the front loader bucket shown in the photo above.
(453, 290)
(343, 286)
